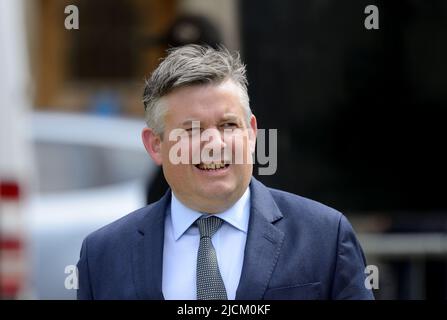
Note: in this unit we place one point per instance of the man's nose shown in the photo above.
(214, 139)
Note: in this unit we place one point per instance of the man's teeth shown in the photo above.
(211, 166)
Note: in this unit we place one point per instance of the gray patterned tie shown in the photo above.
(210, 285)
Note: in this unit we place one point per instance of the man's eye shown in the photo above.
(230, 125)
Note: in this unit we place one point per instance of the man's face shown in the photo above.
(224, 136)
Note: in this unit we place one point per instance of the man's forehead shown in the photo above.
(204, 91)
(205, 103)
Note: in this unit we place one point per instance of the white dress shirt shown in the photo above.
(181, 243)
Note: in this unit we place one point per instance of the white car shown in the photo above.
(91, 170)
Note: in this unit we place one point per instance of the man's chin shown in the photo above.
(214, 204)
(217, 191)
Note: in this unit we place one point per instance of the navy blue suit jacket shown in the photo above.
(296, 249)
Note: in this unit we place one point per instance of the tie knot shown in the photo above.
(208, 226)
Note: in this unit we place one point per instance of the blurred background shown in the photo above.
(361, 118)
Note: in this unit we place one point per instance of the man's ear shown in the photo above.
(253, 131)
(152, 143)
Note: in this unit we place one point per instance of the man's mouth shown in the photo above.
(212, 166)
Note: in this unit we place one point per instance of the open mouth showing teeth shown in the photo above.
(212, 166)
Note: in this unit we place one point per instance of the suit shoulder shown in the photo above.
(120, 228)
(295, 206)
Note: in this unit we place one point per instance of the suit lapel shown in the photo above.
(264, 242)
(147, 257)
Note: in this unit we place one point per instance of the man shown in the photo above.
(218, 233)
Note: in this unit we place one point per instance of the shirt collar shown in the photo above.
(183, 217)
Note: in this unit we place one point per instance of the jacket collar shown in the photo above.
(147, 257)
(264, 242)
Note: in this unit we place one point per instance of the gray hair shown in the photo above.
(191, 65)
